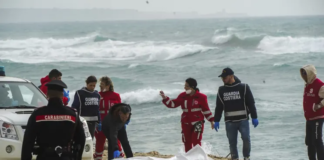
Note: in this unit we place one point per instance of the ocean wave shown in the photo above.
(106, 50)
(282, 45)
(235, 40)
(51, 42)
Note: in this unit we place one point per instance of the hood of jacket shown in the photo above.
(311, 73)
(45, 79)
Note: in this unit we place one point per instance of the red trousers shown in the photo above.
(191, 138)
(100, 144)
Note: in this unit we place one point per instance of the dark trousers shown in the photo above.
(122, 137)
(314, 140)
(92, 127)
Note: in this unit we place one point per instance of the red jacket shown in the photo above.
(311, 97)
(107, 100)
(43, 88)
(194, 108)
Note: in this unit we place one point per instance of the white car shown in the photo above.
(18, 99)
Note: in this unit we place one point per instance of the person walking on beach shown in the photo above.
(86, 102)
(237, 101)
(113, 127)
(313, 111)
(195, 107)
(108, 99)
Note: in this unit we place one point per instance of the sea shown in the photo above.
(145, 57)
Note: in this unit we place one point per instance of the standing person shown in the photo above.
(237, 101)
(55, 128)
(195, 107)
(108, 99)
(113, 127)
(313, 112)
(54, 74)
(86, 102)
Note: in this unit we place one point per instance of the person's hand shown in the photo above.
(116, 154)
(212, 125)
(99, 127)
(255, 122)
(216, 126)
(162, 95)
(317, 107)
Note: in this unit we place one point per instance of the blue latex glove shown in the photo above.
(99, 127)
(66, 94)
(116, 154)
(255, 122)
(127, 122)
(216, 126)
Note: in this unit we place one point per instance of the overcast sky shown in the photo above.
(251, 7)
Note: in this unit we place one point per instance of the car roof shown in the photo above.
(11, 79)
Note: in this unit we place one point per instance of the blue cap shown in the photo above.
(226, 72)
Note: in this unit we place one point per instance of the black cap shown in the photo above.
(56, 85)
(226, 72)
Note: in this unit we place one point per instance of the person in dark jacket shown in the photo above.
(113, 128)
(237, 101)
(86, 102)
(56, 128)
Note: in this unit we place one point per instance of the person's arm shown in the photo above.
(113, 137)
(77, 102)
(205, 110)
(29, 138)
(219, 108)
(79, 138)
(321, 103)
(249, 101)
(172, 103)
(99, 116)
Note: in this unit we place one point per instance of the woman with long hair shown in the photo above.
(108, 98)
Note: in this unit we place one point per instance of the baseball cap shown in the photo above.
(226, 72)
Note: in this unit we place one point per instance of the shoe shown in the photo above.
(247, 158)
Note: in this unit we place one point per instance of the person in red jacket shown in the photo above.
(313, 111)
(195, 107)
(108, 99)
(54, 74)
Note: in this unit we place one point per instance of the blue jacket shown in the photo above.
(87, 104)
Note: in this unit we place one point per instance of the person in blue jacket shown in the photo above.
(237, 101)
(86, 102)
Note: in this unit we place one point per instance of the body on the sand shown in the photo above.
(313, 103)
(237, 102)
(195, 108)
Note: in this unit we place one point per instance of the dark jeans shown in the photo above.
(92, 127)
(232, 129)
(314, 140)
(122, 137)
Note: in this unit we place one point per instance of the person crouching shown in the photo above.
(113, 128)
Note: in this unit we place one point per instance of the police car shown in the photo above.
(18, 99)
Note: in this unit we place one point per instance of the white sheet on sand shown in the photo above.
(196, 153)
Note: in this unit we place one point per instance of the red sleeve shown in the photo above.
(44, 89)
(173, 103)
(65, 101)
(118, 98)
(205, 109)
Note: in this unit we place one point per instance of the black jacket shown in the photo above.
(236, 100)
(111, 125)
(50, 126)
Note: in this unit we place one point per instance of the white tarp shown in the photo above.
(196, 153)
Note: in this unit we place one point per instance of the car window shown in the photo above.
(13, 94)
